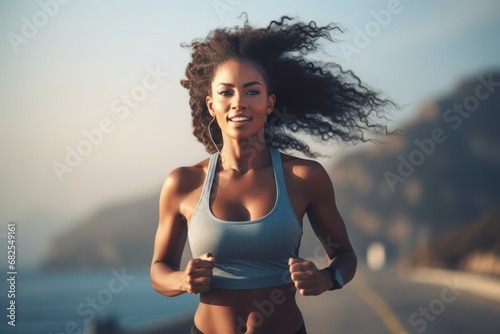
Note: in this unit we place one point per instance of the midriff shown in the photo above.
(266, 310)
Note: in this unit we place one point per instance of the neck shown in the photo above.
(241, 157)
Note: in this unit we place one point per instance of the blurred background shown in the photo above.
(93, 118)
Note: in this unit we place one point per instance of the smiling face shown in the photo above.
(239, 100)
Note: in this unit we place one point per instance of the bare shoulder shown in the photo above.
(306, 169)
(184, 180)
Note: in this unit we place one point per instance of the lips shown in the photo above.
(239, 118)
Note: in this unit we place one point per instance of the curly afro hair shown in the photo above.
(324, 101)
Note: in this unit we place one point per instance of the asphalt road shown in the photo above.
(386, 302)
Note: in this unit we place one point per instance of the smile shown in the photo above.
(240, 118)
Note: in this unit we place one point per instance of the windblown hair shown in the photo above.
(315, 98)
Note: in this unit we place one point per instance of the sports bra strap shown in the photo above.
(250, 254)
(212, 166)
(276, 164)
(278, 170)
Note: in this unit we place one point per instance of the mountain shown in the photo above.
(441, 174)
(123, 235)
(119, 235)
(475, 247)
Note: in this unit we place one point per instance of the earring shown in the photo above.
(210, 133)
(212, 139)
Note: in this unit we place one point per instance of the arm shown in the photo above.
(170, 240)
(329, 227)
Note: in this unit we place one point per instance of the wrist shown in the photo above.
(329, 285)
(336, 278)
(181, 285)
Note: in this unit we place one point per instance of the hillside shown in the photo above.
(119, 235)
(442, 174)
(475, 247)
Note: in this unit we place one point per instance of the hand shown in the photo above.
(198, 274)
(308, 279)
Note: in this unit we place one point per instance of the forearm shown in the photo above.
(167, 280)
(346, 262)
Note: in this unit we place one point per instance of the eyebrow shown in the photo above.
(244, 85)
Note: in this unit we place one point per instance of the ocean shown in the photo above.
(64, 302)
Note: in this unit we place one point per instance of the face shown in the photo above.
(239, 100)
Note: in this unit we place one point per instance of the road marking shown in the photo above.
(377, 303)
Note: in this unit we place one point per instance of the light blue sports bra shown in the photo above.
(249, 254)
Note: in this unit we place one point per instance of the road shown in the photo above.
(385, 302)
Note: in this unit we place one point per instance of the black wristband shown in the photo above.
(337, 279)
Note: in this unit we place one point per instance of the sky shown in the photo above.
(102, 78)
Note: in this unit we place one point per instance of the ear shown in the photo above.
(271, 100)
(209, 103)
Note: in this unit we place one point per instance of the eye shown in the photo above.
(253, 92)
(224, 93)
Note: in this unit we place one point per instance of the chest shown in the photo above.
(249, 196)
(243, 197)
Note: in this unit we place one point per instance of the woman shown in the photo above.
(242, 209)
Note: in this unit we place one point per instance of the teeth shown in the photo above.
(239, 119)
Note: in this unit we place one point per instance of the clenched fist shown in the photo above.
(308, 279)
(198, 274)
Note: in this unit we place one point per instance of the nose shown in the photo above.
(238, 102)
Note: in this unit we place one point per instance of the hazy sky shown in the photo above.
(67, 67)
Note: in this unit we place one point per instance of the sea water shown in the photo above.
(65, 302)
